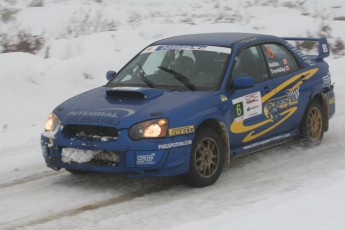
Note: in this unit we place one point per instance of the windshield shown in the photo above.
(175, 67)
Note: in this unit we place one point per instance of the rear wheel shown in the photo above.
(207, 158)
(312, 127)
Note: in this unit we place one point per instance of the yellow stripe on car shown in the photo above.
(239, 127)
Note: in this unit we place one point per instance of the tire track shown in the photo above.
(299, 169)
(30, 178)
(97, 205)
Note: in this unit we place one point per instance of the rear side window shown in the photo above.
(250, 62)
(280, 61)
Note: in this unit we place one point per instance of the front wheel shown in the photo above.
(312, 126)
(207, 158)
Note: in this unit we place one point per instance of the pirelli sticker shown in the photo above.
(181, 130)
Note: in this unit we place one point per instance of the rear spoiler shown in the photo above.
(323, 48)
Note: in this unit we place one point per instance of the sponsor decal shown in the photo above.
(179, 47)
(247, 106)
(98, 117)
(300, 54)
(115, 112)
(252, 107)
(94, 114)
(249, 40)
(253, 97)
(278, 70)
(121, 112)
(276, 105)
(327, 80)
(149, 49)
(269, 52)
(275, 67)
(187, 47)
(310, 62)
(146, 159)
(273, 64)
(266, 125)
(324, 48)
(175, 144)
(181, 130)
(264, 142)
(223, 97)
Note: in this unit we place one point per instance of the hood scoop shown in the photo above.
(126, 94)
(133, 93)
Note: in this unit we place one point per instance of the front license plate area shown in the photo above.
(94, 157)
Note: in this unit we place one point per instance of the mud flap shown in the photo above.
(325, 108)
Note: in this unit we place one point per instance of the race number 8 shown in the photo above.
(238, 109)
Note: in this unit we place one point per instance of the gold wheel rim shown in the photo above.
(315, 123)
(207, 157)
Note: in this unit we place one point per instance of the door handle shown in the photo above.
(267, 89)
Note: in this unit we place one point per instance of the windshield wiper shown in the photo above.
(144, 78)
(180, 77)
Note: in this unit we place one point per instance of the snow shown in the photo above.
(69, 155)
(301, 212)
(80, 156)
(286, 187)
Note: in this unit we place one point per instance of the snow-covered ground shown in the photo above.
(286, 187)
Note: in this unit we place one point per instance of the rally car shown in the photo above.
(187, 105)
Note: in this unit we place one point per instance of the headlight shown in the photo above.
(149, 129)
(52, 123)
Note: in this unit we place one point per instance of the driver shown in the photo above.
(183, 65)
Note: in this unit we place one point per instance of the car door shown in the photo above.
(285, 108)
(247, 103)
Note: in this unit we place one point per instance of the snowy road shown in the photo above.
(58, 200)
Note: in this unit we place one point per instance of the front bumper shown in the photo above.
(150, 157)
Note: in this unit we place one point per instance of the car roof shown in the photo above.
(211, 39)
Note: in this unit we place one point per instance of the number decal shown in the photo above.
(247, 106)
(238, 109)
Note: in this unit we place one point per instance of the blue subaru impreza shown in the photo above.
(187, 105)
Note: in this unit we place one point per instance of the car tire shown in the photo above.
(206, 160)
(312, 126)
(77, 172)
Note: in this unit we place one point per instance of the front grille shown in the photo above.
(90, 131)
(104, 163)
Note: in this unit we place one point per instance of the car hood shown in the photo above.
(122, 107)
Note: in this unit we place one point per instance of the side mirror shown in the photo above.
(243, 82)
(110, 75)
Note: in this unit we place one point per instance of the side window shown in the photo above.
(279, 60)
(250, 62)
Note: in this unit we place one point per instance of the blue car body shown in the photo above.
(279, 105)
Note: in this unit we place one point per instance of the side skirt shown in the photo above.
(263, 144)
